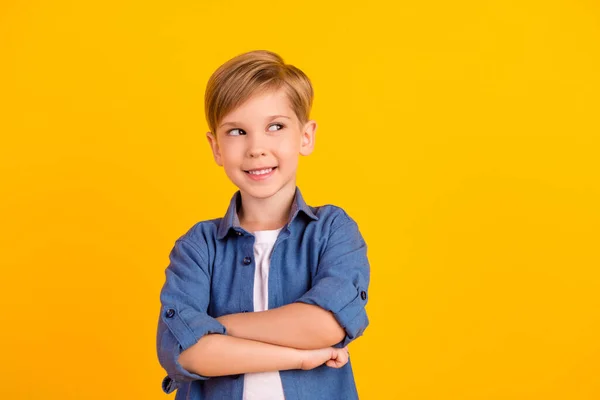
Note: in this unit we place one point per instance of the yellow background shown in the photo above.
(463, 136)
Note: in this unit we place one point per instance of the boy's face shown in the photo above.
(259, 143)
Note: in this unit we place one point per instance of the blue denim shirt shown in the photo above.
(319, 258)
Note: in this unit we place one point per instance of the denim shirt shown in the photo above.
(319, 258)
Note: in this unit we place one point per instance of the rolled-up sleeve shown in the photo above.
(342, 278)
(183, 319)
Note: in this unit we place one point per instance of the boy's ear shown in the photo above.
(214, 146)
(307, 144)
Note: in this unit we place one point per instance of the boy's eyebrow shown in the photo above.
(269, 118)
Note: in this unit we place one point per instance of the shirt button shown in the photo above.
(247, 260)
(170, 313)
(363, 295)
(238, 233)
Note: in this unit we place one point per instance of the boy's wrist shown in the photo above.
(300, 356)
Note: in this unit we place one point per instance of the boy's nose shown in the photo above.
(256, 147)
(256, 152)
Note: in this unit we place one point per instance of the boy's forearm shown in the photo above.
(297, 325)
(218, 355)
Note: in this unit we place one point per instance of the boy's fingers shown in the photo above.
(346, 356)
(339, 358)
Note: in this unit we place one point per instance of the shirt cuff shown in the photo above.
(345, 300)
(178, 333)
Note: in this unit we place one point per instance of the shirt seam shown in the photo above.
(202, 259)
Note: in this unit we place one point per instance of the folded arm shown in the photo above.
(298, 325)
(218, 355)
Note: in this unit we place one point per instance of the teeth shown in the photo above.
(261, 172)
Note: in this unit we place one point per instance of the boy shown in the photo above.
(261, 304)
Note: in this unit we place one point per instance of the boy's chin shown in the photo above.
(258, 193)
(264, 192)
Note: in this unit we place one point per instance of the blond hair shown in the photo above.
(250, 73)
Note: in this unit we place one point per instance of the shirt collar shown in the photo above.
(231, 219)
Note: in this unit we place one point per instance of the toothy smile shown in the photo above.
(262, 171)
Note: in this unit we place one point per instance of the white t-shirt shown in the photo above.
(263, 385)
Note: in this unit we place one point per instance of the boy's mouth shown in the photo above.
(260, 171)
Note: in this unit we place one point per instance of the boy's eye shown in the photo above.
(238, 131)
(273, 130)
(235, 132)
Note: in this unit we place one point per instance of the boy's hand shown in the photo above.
(331, 356)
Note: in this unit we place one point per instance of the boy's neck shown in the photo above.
(266, 214)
